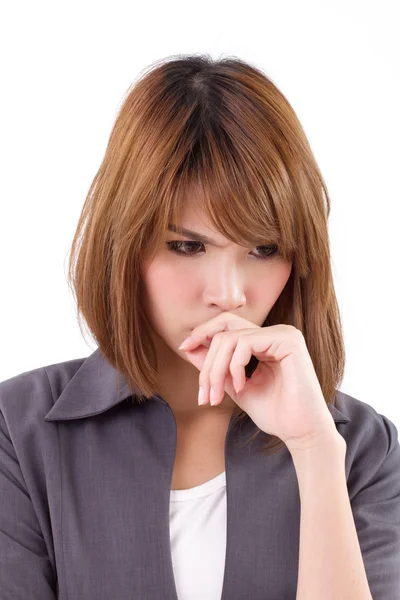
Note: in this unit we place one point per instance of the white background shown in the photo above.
(65, 67)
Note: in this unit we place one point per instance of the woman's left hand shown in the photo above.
(283, 397)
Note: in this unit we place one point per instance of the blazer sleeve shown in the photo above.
(25, 569)
(376, 509)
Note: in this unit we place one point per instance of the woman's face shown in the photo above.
(183, 291)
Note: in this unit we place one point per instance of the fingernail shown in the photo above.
(201, 396)
(212, 397)
(184, 343)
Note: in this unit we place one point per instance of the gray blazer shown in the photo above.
(85, 478)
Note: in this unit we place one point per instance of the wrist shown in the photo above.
(328, 442)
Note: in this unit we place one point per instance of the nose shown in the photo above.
(224, 286)
(226, 301)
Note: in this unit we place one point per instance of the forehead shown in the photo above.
(193, 218)
(197, 236)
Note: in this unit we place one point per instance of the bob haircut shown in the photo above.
(223, 128)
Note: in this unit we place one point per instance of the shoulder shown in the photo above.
(365, 424)
(28, 396)
(372, 443)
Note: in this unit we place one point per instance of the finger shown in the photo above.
(210, 359)
(240, 359)
(203, 336)
(219, 374)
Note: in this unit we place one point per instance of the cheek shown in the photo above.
(167, 298)
(270, 286)
(168, 286)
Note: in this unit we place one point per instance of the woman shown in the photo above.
(207, 219)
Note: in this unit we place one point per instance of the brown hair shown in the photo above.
(222, 127)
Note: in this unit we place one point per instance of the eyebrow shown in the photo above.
(198, 237)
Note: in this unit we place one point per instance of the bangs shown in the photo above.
(241, 184)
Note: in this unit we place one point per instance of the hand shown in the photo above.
(283, 397)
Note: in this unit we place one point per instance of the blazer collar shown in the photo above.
(97, 386)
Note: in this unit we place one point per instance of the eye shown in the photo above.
(177, 245)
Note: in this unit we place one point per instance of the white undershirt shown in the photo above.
(198, 539)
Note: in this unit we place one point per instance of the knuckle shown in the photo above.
(295, 331)
(292, 328)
